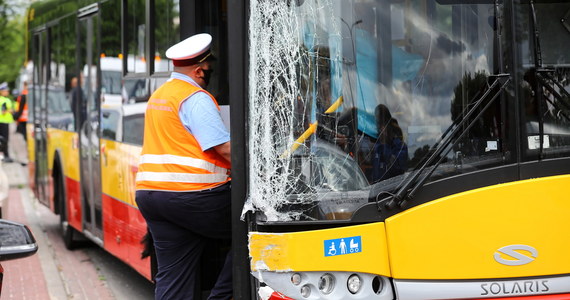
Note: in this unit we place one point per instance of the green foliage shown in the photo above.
(468, 89)
(12, 41)
(167, 31)
(110, 35)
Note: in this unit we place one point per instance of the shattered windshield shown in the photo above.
(348, 96)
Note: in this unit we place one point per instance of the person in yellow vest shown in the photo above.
(183, 182)
(21, 115)
(6, 110)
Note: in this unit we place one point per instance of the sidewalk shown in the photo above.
(53, 272)
(23, 278)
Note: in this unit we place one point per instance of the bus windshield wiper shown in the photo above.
(543, 79)
(457, 130)
(543, 76)
(537, 54)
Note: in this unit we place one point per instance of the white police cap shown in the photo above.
(190, 51)
(3, 86)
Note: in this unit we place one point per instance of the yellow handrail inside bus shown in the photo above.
(311, 130)
(334, 106)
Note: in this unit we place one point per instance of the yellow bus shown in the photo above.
(408, 149)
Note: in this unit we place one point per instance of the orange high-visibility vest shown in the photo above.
(171, 158)
(24, 116)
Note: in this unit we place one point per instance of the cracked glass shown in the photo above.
(348, 97)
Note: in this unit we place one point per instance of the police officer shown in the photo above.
(183, 183)
(6, 110)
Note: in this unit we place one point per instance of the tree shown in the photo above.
(12, 40)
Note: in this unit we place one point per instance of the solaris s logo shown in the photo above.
(516, 258)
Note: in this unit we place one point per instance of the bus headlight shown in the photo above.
(354, 283)
(296, 279)
(306, 291)
(326, 283)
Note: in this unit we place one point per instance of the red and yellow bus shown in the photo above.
(90, 74)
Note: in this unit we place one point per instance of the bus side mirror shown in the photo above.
(16, 241)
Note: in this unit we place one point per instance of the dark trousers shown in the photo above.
(21, 129)
(181, 224)
(5, 134)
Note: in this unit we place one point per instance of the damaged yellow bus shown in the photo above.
(403, 149)
(408, 149)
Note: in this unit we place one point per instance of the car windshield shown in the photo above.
(349, 97)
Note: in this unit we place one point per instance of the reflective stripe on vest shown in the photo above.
(171, 158)
(181, 160)
(181, 177)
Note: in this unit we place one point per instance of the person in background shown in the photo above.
(390, 156)
(183, 183)
(78, 105)
(21, 114)
(6, 110)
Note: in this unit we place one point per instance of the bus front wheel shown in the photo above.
(68, 233)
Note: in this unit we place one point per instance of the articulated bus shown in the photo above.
(403, 149)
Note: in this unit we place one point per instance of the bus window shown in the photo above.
(213, 20)
(111, 77)
(135, 36)
(133, 129)
(59, 108)
(111, 63)
(109, 124)
(364, 91)
(166, 31)
(135, 90)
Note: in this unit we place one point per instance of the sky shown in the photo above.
(20, 6)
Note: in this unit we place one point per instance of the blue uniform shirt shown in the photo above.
(202, 118)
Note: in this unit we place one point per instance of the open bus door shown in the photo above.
(39, 113)
(88, 128)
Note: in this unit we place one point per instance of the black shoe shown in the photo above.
(7, 160)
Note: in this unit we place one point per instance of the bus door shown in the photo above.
(39, 114)
(89, 109)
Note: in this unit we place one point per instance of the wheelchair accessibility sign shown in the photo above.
(347, 245)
